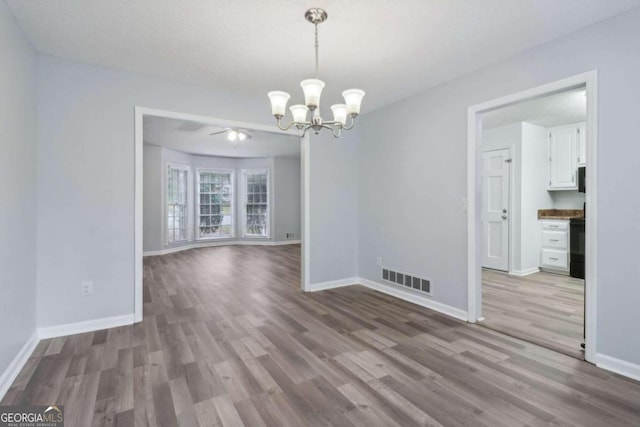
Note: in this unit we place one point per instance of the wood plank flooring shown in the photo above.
(542, 308)
(228, 339)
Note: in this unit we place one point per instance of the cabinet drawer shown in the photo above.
(555, 239)
(555, 225)
(555, 259)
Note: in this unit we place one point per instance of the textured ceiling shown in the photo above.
(553, 110)
(388, 48)
(194, 138)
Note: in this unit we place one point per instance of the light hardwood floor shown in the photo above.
(228, 339)
(543, 308)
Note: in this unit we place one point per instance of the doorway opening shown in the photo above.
(531, 223)
(204, 182)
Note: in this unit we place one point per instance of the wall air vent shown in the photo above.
(406, 280)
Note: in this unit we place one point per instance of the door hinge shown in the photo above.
(508, 160)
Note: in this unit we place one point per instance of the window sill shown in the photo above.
(205, 239)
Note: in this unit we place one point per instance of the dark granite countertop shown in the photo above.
(560, 213)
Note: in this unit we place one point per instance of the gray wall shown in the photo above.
(334, 206)
(85, 188)
(287, 198)
(413, 172)
(285, 213)
(152, 204)
(18, 134)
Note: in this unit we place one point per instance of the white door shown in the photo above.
(496, 168)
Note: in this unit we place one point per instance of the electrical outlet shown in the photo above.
(379, 261)
(86, 288)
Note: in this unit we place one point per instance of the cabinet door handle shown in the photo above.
(554, 240)
(554, 226)
(555, 259)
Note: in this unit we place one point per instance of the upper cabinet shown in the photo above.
(582, 144)
(566, 152)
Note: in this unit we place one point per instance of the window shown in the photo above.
(215, 204)
(256, 199)
(177, 203)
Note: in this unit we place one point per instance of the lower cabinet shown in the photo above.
(555, 246)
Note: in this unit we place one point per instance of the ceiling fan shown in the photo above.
(234, 134)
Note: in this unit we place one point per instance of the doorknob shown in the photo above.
(504, 210)
(504, 217)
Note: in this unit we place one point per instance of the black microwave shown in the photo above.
(581, 179)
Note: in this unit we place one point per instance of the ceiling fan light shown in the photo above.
(299, 112)
(312, 90)
(279, 101)
(233, 135)
(353, 99)
(242, 136)
(339, 113)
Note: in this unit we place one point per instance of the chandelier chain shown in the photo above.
(317, 66)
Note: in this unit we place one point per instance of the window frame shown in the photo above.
(187, 226)
(232, 173)
(244, 202)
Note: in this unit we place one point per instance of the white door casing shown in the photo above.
(474, 224)
(495, 208)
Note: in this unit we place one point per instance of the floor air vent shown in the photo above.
(402, 279)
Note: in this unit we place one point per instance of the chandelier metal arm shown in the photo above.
(297, 124)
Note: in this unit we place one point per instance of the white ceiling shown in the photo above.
(553, 110)
(388, 48)
(194, 138)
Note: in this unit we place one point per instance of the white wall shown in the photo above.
(568, 199)
(18, 135)
(86, 192)
(413, 172)
(535, 167)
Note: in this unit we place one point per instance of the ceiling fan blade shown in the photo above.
(219, 132)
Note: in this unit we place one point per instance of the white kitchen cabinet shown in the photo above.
(566, 150)
(582, 144)
(554, 254)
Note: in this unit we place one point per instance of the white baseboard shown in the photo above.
(412, 297)
(618, 366)
(11, 373)
(524, 272)
(86, 326)
(194, 245)
(287, 242)
(314, 287)
(403, 294)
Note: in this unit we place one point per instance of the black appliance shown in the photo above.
(576, 245)
(581, 179)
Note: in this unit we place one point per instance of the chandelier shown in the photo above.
(343, 114)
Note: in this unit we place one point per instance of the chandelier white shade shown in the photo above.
(312, 89)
